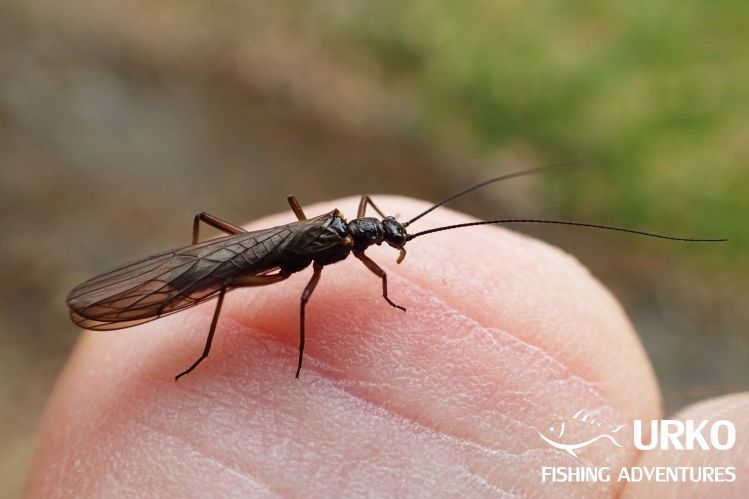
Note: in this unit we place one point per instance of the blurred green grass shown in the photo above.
(653, 95)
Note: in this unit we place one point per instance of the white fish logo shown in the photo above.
(586, 417)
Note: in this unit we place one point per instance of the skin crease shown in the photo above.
(504, 337)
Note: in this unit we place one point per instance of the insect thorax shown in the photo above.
(331, 244)
(365, 232)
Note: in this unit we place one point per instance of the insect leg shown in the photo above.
(210, 336)
(296, 208)
(213, 222)
(363, 202)
(371, 265)
(252, 280)
(317, 270)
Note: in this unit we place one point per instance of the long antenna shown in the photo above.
(555, 167)
(560, 222)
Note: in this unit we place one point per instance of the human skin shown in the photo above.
(504, 337)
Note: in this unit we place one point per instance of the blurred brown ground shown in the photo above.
(118, 122)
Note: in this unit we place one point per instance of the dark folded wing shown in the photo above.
(167, 282)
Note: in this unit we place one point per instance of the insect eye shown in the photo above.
(395, 233)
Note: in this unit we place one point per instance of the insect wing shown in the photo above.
(167, 282)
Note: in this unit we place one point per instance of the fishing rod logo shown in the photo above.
(663, 434)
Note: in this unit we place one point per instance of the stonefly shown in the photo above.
(178, 279)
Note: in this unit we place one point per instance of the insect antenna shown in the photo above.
(561, 222)
(549, 168)
(554, 167)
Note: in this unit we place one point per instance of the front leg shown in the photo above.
(363, 202)
(376, 270)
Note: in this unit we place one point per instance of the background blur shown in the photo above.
(120, 120)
